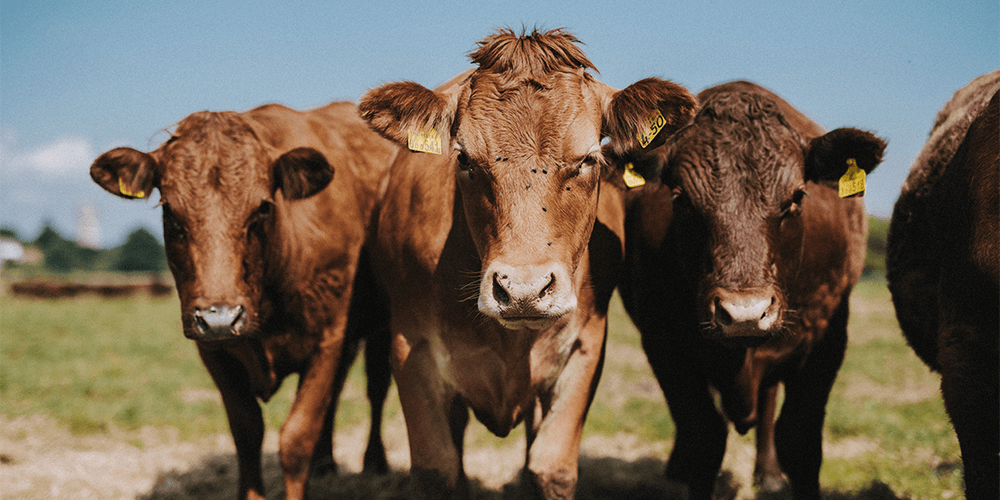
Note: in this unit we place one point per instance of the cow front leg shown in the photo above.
(323, 461)
(435, 422)
(378, 375)
(304, 425)
(767, 473)
(798, 433)
(246, 423)
(701, 432)
(554, 432)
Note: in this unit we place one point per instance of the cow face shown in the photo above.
(524, 131)
(738, 174)
(218, 184)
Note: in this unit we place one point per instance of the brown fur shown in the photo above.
(499, 256)
(944, 251)
(738, 215)
(264, 214)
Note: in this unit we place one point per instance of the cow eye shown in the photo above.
(465, 165)
(263, 212)
(585, 166)
(172, 224)
(793, 207)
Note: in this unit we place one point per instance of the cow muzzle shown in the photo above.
(532, 297)
(751, 316)
(217, 322)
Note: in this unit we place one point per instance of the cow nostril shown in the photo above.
(240, 319)
(199, 322)
(549, 286)
(721, 315)
(769, 308)
(500, 293)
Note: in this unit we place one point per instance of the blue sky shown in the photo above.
(80, 77)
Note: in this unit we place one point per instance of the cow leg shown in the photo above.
(700, 442)
(303, 427)
(369, 320)
(433, 426)
(378, 373)
(970, 397)
(246, 423)
(552, 464)
(323, 461)
(701, 431)
(767, 473)
(970, 384)
(798, 433)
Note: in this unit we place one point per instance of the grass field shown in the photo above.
(119, 371)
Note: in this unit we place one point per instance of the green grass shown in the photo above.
(99, 365)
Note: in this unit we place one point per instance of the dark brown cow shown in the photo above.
(740, 259)
(264, 216)
(498, 275)
(944, 251)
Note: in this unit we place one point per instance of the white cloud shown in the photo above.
(66, 156)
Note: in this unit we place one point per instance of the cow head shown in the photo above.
(524, 132)
(738, 176)
(221, 189)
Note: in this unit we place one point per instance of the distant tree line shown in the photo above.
(140, 252)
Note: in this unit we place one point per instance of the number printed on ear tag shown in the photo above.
(852, 183)
(654, 124)
(424, 140)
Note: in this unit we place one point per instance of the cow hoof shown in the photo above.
(770, 483)
(323, 468)
(376, 464)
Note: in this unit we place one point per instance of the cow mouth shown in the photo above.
(741, 339)
(527, 322)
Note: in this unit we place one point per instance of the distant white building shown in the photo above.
(88, 227)
(11, 251)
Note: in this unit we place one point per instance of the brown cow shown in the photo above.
(944, 250)
(740, 259)
(498, 275)
(264, 216)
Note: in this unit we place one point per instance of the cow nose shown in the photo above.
(219, 321)
(508, 292)
(745, 313)
(526, 296)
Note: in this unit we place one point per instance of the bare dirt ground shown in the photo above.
(40, 459)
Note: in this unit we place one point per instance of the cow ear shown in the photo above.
(125, 172)
(301, 173)
(827, 155)
(402, 110)
(644, 114)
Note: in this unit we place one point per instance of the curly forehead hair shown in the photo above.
(530, 56)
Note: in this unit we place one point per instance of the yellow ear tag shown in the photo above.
(852, 183)
(124, 190)
(654, 124)
(631, 177)
(424, 140)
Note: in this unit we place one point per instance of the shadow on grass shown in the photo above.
(600, 479)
